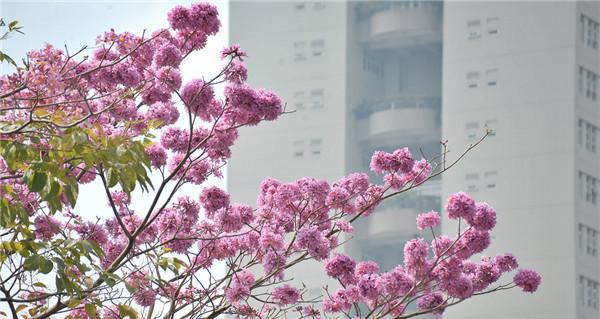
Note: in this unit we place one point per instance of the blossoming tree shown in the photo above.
(67, 120)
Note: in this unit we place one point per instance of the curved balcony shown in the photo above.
(399, 120)
(400, 24)
(396, 217)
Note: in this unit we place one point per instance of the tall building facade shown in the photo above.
(529, 71)
(365, 76)
(359, 77)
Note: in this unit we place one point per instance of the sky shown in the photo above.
(77, 23)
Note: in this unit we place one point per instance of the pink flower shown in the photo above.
(169, 76)
(429, 219)
(366, 268)
(369, 286)
(46, 227)
(528, 280)
(213, 199)
(234, 51)
(340, 267)
(486, 273)
(179, 17)
(157, 155)
(344, 226)
(382, 162)
(507, 262)
(397, 282)
(484, 218)
(404, 159)
(167, 55)
(197, 97)
(164, 112)
(285, 295)
(460, 205)
(236, 73)
(433, 301)
(461, 287)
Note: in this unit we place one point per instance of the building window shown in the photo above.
(588, 240)
(588, 188)
(472, 129)
(580, 130)
(587, 135)
(299, 98)
(491, 77)
(317, 47)
(589, 31)
(587, 82)
(591, 247)
(317, 97)
(299, 51)
(472, 180)
(492, 25)
(316, 144)
(580, 79)
(588, 290)
(492, 126)
(580, 235)
(473, 29)
(372, 65)
(591, 192)
(490, 178)
(298, 149)
(590, 137)
(472, 79)
(318, 5)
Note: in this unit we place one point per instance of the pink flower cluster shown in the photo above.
(435, 274)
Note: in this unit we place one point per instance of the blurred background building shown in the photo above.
(366, 76)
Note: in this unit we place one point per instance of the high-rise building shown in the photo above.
(359, 77)
(365, 76)
(529, 70)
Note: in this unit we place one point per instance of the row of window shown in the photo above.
(312, 99)
(588, 292)
(305, 6)
(588, 188)
(587, 83)
(372, 65)
(475, 28)
(589, 31)
(474, 131)
(588, 240)
(587, 135)
(299, 148)
(304, 49)
(476, 181)
(474, 78)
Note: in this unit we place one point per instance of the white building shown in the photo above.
(529, 70)
(365, 76)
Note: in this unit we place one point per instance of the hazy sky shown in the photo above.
(77, 23)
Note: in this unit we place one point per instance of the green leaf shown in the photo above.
(73, 303)
(130, 288)
(46, 266)
(37, 182)
(31, 263)
(72, 191)
(90, 308)
(127, 311)
(112, 178)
